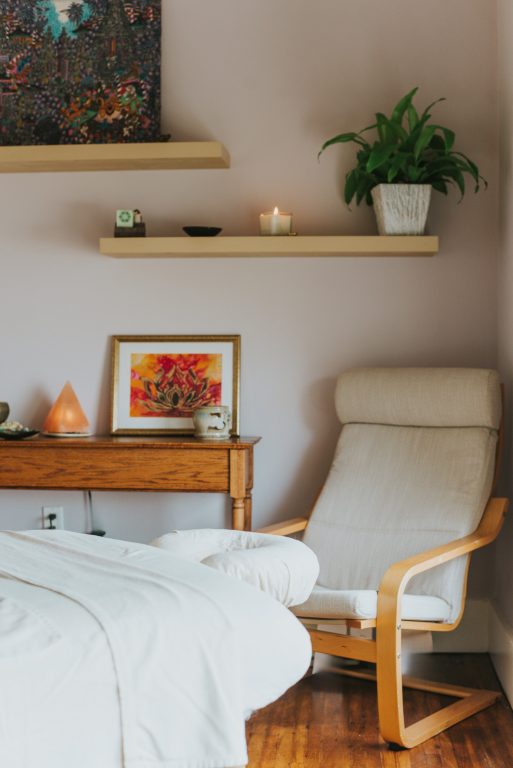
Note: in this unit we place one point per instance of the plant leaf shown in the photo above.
(388, 130)
(412, 139)
(440, 186)
(413, 117)
(414, 173)
(402, 105)
(473, 170)
(350, 185)
(423, 140)
(364, 186)
(437, 101)
(379, 155)
(438, 144)
(457, 177)
(343, 138)
(368, 128)
(382, 126)
(449, 137)
(398, 164)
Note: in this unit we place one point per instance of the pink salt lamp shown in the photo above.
(66, 416)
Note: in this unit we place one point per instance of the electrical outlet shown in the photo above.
(49, 521)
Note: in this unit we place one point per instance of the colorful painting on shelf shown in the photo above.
(173, 385)
(79, 71)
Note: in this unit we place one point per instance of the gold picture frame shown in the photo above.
(158, 381)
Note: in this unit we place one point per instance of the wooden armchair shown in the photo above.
(405, 503)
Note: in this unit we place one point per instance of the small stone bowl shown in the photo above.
(202, 231)
(4, 411)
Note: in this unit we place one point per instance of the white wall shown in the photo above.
(272, 80)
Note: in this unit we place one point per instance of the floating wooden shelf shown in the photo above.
(304, 245)
(173, 155)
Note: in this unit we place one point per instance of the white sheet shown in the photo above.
(187, 652)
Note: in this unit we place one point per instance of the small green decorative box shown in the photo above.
(124, 218)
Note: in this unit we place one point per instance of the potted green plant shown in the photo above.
(409, 156)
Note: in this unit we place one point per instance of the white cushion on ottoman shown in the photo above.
(284, 568)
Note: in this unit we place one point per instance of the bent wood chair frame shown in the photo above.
(385, 650)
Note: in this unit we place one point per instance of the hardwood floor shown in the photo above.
(330, 721)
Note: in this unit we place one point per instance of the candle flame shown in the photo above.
(276, 211)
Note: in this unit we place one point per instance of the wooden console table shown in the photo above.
(134, 464)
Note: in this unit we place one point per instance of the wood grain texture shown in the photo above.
(132, 442)
(386, 649)
(134, 464)
(287, 527)
(343, 645)
(329, 721)
(149, 156)
(303, 245)
(389, 629)
(238, 474)
(116, 469)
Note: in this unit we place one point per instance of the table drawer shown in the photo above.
(115, 468)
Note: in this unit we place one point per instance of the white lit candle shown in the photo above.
(275, 223)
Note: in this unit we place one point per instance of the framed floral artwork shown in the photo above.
(158, 381)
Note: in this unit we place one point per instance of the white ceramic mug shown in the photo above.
(212, 422)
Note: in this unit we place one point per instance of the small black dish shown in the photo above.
(202, 231)
(17, 434)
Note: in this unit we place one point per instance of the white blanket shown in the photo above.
(158, 660)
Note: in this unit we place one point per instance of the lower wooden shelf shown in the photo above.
(301, 245)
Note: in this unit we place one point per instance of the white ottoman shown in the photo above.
(284, 568)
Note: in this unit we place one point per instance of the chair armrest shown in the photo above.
(399, 574)
(294, 525)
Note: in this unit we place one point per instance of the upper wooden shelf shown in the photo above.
(173, 155)
(301, 245)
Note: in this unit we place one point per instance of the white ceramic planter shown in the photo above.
(401, 209)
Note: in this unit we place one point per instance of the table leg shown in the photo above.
(238, 487)
(238, 514)
(247, 511)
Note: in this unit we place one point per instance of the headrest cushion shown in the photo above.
(421, 397)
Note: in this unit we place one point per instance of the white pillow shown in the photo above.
(284, 568)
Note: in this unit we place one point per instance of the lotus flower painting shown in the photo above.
(79, 71)
(173, 385)
(159, 381)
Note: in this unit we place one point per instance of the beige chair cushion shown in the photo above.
(363, 603)
(420, 397)
(395, 491)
